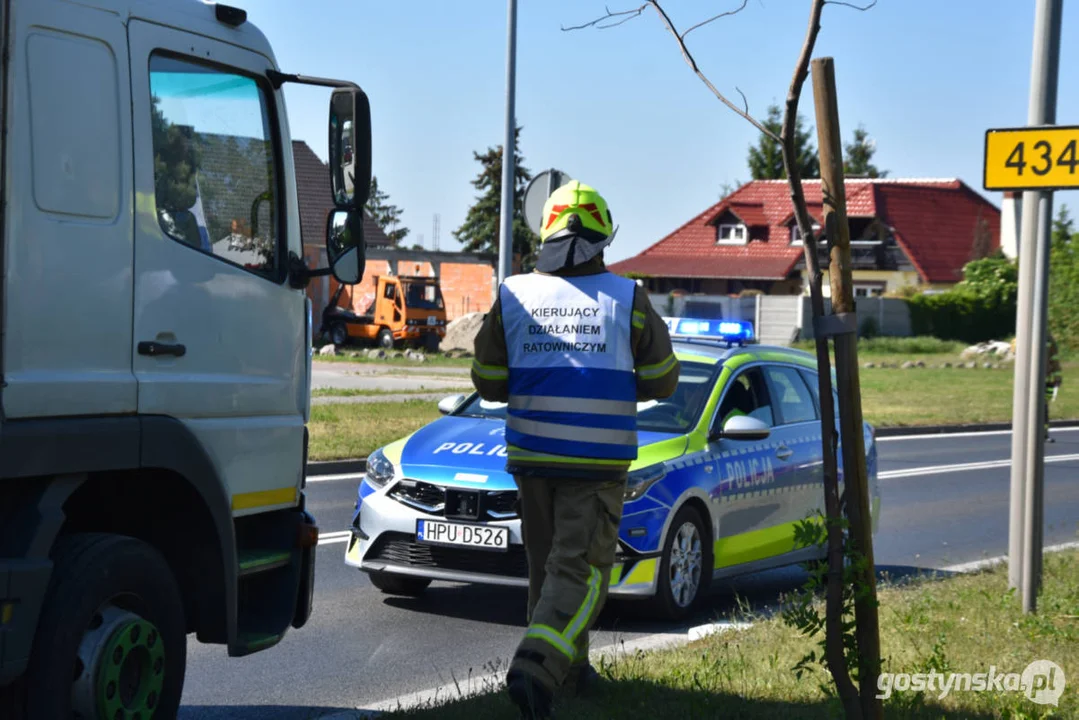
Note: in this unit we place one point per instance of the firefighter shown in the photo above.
(570, 348)
(1053, 379)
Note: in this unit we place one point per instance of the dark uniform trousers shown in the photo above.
(570, 529)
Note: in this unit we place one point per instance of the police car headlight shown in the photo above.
(379, 469)
(640, 480)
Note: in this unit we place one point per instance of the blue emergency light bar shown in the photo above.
(729, 331)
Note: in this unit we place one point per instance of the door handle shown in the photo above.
(784, 452)
(149, 347)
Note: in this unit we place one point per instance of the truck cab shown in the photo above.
(156, 346)
(405, 310)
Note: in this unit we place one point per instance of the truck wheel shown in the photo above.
(431, 341)
(111, 639)
(385, 339)
(398, 584)
(685, 568)
(339, 334)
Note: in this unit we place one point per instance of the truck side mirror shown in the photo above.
(350, 147)
(345, 245)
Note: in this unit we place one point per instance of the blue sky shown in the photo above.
(619, 108)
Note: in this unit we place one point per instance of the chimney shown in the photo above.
(1010, 221)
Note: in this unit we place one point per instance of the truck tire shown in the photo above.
(111, 638)
(339, 334)
(385, 339)
(431, 342)
(398, 584)
(685, 567)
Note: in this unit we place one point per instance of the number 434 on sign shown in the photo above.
(1032, 158)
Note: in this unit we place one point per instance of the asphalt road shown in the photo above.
(362, 647)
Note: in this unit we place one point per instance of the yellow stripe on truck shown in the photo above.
(265, 498)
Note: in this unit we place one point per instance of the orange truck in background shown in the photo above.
(407, 310)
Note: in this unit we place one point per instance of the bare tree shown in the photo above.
(835, 656)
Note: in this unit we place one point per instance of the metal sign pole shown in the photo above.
(509, 152)
(1028, 412)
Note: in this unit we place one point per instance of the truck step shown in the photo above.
(257, 561)
(252, 642)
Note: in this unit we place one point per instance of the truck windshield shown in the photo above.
(423, 296)
(676, 414)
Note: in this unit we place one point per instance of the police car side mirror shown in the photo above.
(448, 404)
(743, 427)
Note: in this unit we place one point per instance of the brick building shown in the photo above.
(467, 279)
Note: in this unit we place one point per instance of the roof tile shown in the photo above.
(934, 221)
(315, 198)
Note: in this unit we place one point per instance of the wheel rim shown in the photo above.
(685, 565)
(122, 661)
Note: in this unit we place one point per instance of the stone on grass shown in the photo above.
(376, 353)
(328, 350)
(908, 365)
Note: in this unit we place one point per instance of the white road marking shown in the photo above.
(330, 538)
(972, 433)
(959, 467)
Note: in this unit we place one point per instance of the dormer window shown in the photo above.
(796, 233)
(732, 234)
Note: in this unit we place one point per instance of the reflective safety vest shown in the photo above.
(572, 389)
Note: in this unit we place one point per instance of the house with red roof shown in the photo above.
(904, 232)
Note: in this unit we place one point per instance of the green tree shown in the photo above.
(176, 157)
(481, 228)
(766, 158)
(385, 215)
(858, 156)
(1064, 281)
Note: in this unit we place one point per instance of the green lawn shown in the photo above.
(353, 430)
(931, 396)
(963, 624)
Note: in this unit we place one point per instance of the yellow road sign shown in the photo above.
(1032, 158)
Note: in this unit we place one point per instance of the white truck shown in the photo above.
(156, 347)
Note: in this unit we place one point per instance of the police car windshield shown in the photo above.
(676, 414)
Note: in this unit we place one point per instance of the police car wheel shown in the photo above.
(685, 571)
(398, 584)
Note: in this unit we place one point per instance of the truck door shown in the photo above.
(219, 336)
(68, 221)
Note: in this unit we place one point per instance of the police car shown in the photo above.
(726, 468)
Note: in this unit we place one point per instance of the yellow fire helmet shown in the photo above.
(576, 227)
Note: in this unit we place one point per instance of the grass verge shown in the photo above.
(352, 430)
(963, 624)
(921, 345)
(951, 396)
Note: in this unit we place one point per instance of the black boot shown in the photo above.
(529, 695)
(582, 679)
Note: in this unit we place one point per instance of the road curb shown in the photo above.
(359, 465)
(337, 467)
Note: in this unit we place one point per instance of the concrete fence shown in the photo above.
(783, 319)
